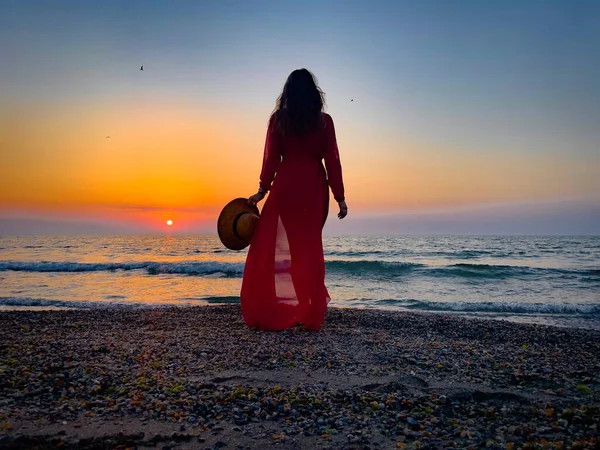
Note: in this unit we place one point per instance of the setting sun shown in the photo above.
(169, 222)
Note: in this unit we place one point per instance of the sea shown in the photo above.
(538, 279)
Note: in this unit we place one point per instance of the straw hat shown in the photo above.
(236, 224)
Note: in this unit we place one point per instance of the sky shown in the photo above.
(468, 117)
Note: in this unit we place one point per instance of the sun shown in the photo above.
(169, 222)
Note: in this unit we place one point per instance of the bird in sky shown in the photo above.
(107, 137)
(142, 68)
(352, 100)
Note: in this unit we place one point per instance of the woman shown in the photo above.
(284, 276)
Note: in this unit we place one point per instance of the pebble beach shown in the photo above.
(197, 377)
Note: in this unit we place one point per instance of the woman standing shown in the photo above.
(284, 276)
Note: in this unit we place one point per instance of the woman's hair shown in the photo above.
(298, 109)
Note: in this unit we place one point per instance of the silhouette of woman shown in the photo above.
(284, 276)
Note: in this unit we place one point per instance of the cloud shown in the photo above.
(575, 217)
(560, 218)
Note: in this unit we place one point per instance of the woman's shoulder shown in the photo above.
(327, 119)
(273, 123)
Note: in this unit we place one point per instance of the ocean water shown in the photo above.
(534, 279)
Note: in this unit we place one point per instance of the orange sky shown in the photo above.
(179, 162)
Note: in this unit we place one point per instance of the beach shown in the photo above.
(197, 377)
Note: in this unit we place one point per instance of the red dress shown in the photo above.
(284, 276)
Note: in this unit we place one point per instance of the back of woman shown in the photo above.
(284, 275)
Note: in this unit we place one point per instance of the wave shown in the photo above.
(591, 311)
(373, 267)
(76, 304)
(81, 304)
(152, 268)
(218, 300)
(354, 268)
(198, 268)
(465, 270)
(494, 307)
(461, 270)
(212, 299)
(461, 254)
(349, 253)
(500, 271)
(467, 254)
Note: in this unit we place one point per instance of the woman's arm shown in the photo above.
(333, 166)
(332, 162)
(271, 160)
(271, 157)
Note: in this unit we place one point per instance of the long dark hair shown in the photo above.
(299, 107)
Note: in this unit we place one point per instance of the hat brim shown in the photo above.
(228, 216)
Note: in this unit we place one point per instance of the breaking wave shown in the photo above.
(354, 268)
(152, 268)
(495, 307)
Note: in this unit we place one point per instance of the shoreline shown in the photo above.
(562, 320)
(197, 377)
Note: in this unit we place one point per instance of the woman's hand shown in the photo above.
(253, 200)
(343, 210)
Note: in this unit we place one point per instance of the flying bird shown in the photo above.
(142, 68)
(352, 100)
(107, 137)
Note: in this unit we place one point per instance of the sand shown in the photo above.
(198, 378)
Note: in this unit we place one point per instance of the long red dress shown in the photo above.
(284, 276)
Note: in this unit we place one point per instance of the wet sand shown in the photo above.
(198, 378)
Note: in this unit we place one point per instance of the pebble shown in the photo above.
(145, 377)
(414, 423)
